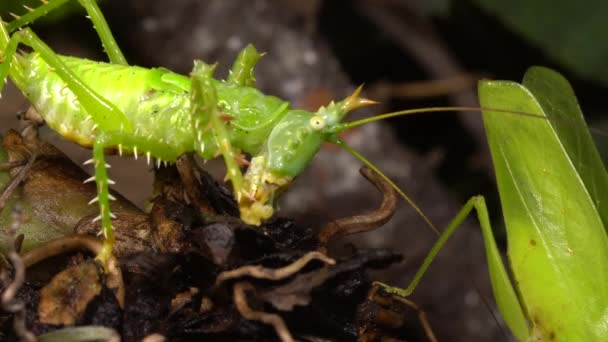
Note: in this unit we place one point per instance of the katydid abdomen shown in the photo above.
(156, 101)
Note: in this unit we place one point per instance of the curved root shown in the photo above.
(363, 223)
(260, 272)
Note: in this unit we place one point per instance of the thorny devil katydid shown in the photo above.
(162, 115)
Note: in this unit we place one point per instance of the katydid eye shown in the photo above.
(317, 122)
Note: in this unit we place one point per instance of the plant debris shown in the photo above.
(190, 269)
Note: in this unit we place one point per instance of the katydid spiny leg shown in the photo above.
(106, 116)
(205, 107)
(241, 72)
(103, 197)
(103, 112)
(94, 13)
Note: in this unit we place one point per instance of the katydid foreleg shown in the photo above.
(205, 106)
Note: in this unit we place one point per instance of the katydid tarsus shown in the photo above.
(78, 99)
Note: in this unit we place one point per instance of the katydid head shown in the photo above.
(289, 149)
(328, 117)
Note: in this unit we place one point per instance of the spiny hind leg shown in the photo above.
(103, 197)
(120, 140)
(241, 72)
(104, 113)
(106, 116)
(205, 112)
(94, 13)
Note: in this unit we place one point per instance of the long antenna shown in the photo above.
(411, 202)
(352, 124)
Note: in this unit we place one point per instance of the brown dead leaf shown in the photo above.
(64, 300)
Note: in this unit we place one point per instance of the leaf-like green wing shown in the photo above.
(557, 244)
(556, 97)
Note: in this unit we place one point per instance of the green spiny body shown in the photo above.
(162, 115)
(156, 101)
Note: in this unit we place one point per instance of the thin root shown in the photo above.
(363, 223)
(79, 242)
(260, 272)
(8, 301)
(240, 300)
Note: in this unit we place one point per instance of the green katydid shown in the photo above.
(78, 98)
(71, 96)
(553, 188)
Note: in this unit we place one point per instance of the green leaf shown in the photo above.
(556, 97)
(504, 293)
(557, 243)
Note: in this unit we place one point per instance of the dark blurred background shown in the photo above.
(319, 50)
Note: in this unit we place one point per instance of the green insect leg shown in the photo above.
(205, 109)
(504, 293)
(8, 63)
(103, 198)
(104, 113)
(477, 202)
(241, 73)
(94, 13)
